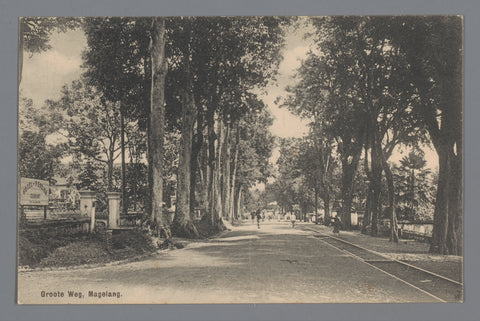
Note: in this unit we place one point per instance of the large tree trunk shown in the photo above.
(232, 210)
(157, 122)
(391, 200)
(238, 203)
(375, 206)
(213, 175)
(448, 221)
(226, 170)
(147, 66)
(218, 200)
(209, 215)
(326, 171)
(326, 205)
(122, 147)
(195, 160)
(440, 218)
(203, 171)
(375, 180)
(368, 211)
(447, 137)
(349, 170)
(368, 203)
(149, 196)
(182, 224)
(373, 147)
(347, 196)
(455, 210)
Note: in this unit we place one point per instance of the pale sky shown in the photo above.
(286, 124)
(45, 73)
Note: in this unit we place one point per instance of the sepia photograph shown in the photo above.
(240, 159)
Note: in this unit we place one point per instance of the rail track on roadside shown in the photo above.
(439, 287)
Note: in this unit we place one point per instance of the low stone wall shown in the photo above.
(419, 231)
(69, 226)
(423, 228)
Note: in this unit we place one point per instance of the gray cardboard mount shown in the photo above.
(9, 13)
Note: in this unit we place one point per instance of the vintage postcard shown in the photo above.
(259, 159)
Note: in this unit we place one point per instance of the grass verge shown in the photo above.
(40, 249)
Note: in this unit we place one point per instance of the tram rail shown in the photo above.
(439, 287)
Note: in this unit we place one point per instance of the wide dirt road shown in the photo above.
(274, 264)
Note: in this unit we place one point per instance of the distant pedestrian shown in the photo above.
(336, 225)
(293, 219)
(259, 217)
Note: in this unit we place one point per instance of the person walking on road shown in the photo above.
(336, 225)
(259, 217)
(293, 218)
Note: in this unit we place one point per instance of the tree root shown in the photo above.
(187, 230)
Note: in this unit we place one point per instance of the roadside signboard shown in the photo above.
(33, 192)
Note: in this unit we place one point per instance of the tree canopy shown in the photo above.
(181, 94)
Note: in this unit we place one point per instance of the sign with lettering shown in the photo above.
(33, 191)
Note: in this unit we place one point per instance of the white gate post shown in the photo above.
(92, 218)
(87, 198)
(87, 206)
(86, 202)
(113, 209)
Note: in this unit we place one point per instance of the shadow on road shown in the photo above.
(246, 265)
(243, 257)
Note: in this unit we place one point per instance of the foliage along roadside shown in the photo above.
(40, 249)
